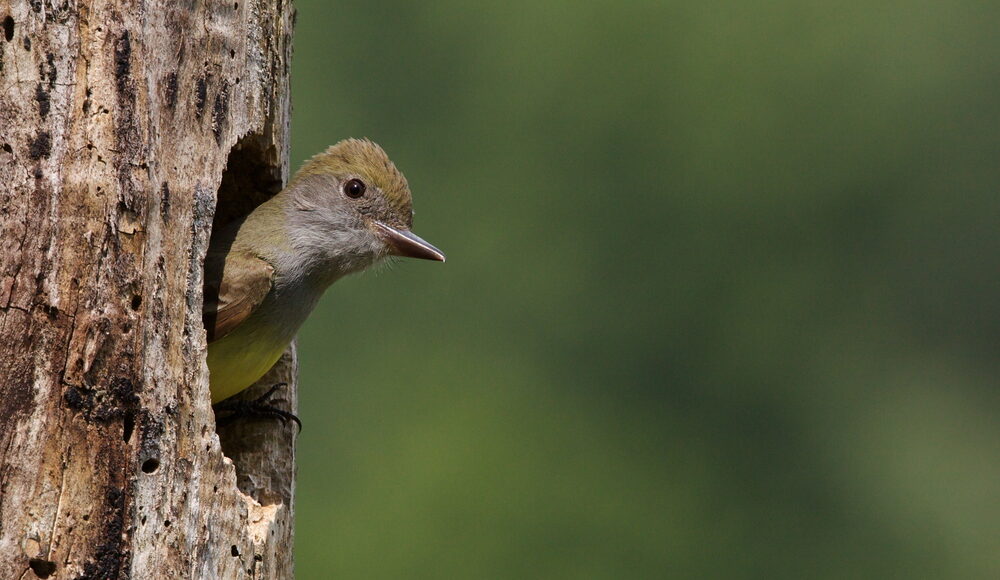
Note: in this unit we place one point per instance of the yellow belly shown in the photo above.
(241, 358)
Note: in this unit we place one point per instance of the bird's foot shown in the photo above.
(259, 407)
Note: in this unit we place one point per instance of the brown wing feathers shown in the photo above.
(235, 285)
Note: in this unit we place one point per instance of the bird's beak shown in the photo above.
(407, 244)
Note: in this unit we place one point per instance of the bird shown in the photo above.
(346, 209)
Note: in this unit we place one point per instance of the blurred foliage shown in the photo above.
(720, 302)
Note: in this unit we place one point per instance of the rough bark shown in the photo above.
(117, 119)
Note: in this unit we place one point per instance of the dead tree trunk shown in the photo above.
(121, 125)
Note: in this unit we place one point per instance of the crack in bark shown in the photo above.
(62, 492)
(17, 270)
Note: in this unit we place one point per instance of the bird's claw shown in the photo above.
(258, 407)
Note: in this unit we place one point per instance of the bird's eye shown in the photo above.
(354, 188)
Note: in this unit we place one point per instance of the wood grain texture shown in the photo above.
(116, 122)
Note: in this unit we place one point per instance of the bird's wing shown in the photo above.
(236, 283)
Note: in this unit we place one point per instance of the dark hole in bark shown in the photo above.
(136, 302)
(128, 426)
(150, 465)
(42, 568)
(8, 28)
(234, 551)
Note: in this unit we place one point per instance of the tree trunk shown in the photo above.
(121, 126)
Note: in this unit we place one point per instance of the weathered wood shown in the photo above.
(116, 122)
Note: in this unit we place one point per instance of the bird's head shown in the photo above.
(353, 201)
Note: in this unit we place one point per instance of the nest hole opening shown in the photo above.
(253, 174)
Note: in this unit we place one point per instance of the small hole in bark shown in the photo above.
(166, 523)
(150, 465)
(136, 302)
(128, 426)
(234, 551)
(8, 28)
(232, 53)
(86, 517)
(42, 568)
(8, 148)
(236, 5)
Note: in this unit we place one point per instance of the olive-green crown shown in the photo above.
(366, 160)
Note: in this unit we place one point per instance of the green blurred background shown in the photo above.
(721, 298)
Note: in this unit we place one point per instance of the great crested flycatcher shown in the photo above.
(346, 209)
